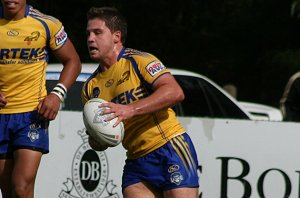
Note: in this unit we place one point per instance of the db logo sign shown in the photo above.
(89, 174)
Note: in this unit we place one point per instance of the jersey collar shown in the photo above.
(27, 10)
(121, 53)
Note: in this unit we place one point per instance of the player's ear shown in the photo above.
(117, 36)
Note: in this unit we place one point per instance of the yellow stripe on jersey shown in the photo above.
(23, 58)
(121, 84)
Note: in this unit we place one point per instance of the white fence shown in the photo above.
(237, 158)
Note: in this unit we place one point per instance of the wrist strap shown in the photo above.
(61, 91)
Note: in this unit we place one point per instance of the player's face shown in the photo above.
(14, 9)
(100, 40)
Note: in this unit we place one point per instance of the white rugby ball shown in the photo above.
(102, 131)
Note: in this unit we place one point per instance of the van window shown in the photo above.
(202, 99)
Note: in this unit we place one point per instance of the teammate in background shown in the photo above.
(161, 159)
(290, 100)
(25, 108)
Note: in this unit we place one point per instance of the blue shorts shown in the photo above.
(23, 130)
(174, 165)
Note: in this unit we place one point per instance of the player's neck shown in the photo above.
(112, 58)
(14, 14)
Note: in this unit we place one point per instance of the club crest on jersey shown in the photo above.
(60, 37)
(155, 67)
(125, 77)
(34, 36)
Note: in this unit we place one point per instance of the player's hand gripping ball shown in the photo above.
(101, 131)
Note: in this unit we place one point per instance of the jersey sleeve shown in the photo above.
(58, 36)
(151, 68)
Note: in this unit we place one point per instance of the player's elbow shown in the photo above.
(179, 96)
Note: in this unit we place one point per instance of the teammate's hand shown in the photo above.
(49, 107)
(3, 100)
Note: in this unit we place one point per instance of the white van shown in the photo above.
(238, 157)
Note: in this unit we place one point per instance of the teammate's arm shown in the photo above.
(167, 92)
(67, 55)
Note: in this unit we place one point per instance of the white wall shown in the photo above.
(237, 158)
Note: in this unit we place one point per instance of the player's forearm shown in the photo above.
(69, 73)
(162, 98)
(68, 56)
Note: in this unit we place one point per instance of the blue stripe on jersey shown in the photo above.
(45, 26)
(39, 16)
(146, 85)
(121, 54)
(27, 10)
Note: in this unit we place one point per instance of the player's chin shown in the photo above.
(94, 56)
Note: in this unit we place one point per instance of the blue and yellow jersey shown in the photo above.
(125, 82)
(24, 56)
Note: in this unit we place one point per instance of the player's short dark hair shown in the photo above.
(113, 19)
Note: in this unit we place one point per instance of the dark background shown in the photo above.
(253, 44)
